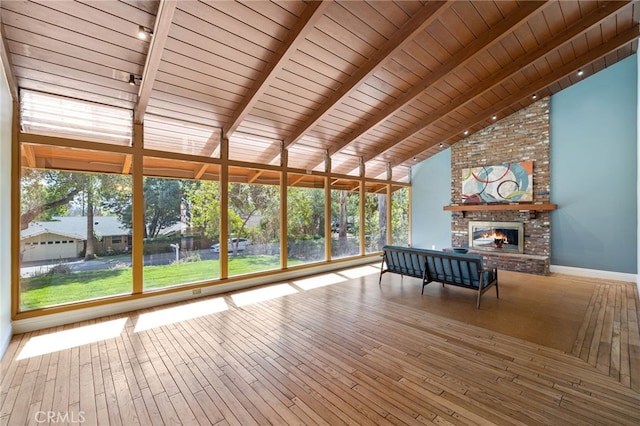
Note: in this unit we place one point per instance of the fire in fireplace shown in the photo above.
(497, 236)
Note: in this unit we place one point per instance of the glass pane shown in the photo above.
(305, 212)
(168, 134)
(400, 216)
(182, 222)
(345, 220)
(243, 147)
(65, 117)
(254, 228)
(375, 226)
(75, 238)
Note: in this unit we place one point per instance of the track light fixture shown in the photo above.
(144, 33)
(133, 79)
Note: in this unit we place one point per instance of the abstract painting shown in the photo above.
(502, 183)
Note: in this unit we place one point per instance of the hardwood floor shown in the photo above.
(339, 349)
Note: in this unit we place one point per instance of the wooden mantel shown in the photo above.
(532, 208)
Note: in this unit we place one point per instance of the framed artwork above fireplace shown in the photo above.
(502, 183)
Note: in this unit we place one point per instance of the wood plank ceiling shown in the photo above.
(387, 83)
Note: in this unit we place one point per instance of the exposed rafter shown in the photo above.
(414, 26)
(360, 80)
(593, 55)
(201, 171)
(312, 13)
(481, 44)
(29, 155)
(7, 64)
(507, 72)
(166, 9)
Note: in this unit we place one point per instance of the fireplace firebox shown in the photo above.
(497, 236)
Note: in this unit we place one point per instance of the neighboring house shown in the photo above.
(65, 237)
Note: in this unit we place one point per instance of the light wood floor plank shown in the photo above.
(354, 353)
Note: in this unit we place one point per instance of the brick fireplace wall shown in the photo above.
(521, 136)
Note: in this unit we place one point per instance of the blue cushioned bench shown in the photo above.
(462, 270)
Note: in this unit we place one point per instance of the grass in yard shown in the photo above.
(55, 289)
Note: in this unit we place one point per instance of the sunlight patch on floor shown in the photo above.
(262, 294)
(361, 271)
(66, 339)
(319, 281)
(179, 313)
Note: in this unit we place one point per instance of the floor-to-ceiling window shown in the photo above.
(75, 237)
(111, 209)
(345, 218)
(400, 215)
(254, 222)
(375, 218)
(181, 224)
(305, 219)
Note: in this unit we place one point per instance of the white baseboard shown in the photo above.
(595, 273)
(54, 320)
(6, 339)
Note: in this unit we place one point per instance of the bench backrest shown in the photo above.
(404, 260)
(452, 268)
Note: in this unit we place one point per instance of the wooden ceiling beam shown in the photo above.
(593, 55)
(255, 176)
(126, 167)
(7, 65)
(29, 155)
(201, 171)
(166, 9)
(294, 180)
(486, 40)
(589, 21)
(307, 21)
(421, 20)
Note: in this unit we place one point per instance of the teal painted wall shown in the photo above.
(594, 171)
(593, 176)
(431, 190)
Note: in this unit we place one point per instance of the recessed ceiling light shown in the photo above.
(133, 79)
(494, 117)
(441, 145)
(534, 96)
(415, 159)
(466, 132)
(580, 73)
(144, 33)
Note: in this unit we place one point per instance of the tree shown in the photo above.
(400, 216)
(47, 193)
(204, 199)
(162, 198)
(162, 201)
(245, 200)
(305, 210)
(90, 251)
(382, 220)
(345, 215)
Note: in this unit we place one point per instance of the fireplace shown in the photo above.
(496, 236)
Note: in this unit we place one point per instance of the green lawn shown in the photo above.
(55, 289)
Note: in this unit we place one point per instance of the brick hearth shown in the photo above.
(521, 136)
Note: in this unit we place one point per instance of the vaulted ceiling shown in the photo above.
(386, 83)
